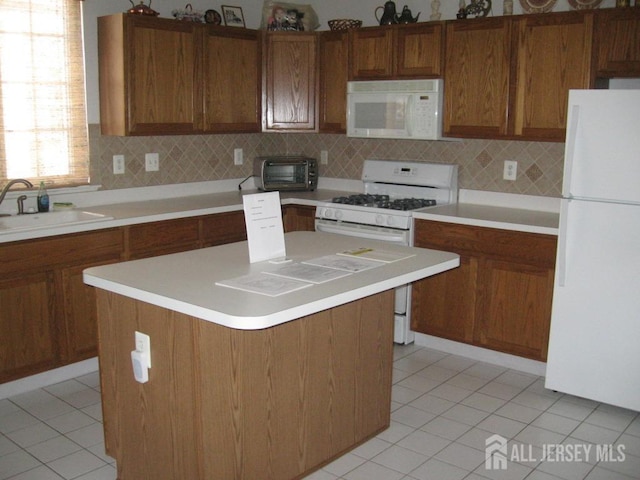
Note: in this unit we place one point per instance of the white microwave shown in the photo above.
(409, 109)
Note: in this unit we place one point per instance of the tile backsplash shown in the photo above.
(195, 158)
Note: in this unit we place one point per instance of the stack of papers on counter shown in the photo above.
(291, 277)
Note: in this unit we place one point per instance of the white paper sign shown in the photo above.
(265, 232)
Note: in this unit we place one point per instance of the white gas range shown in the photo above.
(392, 190)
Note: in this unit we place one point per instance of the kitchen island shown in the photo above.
(244, 385)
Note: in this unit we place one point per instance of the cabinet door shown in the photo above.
(161, 81)
(27, 321)
(289, 96)
(444, 305)
(80, 317)
(299, 218)
(617, 42)
(333, 75)
(419, 51)
(371, 53)
(554, 55)
(232, 80)
(515, 308)
(477, 77)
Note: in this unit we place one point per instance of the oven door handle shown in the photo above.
(370, 235)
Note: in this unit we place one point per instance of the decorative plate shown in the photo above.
(537, 6)
(584, 4)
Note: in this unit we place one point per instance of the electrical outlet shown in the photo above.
(151, 162)
(238, 156)
(510, 170)
(118, 164)
(324, 157)
(143, 345)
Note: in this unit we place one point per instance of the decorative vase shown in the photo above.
(507, 8)
(435, 10)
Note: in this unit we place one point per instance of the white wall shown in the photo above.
(252, 9)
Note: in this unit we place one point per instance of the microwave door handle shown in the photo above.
(409, 114)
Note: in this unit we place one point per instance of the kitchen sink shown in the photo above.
(37, 221)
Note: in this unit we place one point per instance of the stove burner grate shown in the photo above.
(383, 201)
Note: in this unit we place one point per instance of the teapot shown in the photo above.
(142, 9)
(389, 15)
(405, 16)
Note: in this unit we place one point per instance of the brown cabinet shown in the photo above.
(500, 296)
(333, 73)
(509, 77)
(554, 56)
(163, 77)
(161, 238)
(232, 73)
(299, 218)
(48, 315)
(617, 40)
(289, 82)
(402, 51)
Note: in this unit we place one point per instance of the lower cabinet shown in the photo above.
(48, 314)
(299, 218)
(500, 296)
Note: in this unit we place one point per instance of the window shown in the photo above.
(43, 126)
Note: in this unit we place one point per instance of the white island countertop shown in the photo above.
(185, 282)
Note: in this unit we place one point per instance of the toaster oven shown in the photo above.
(286, 172)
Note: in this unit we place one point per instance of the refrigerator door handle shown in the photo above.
(570, 148)
(562, 243)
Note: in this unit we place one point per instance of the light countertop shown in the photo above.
(185, 282)
(151, 204)
(516, 219)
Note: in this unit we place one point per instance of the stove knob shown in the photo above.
(390, 220)
(328, 213)
(338, 214)
(379, 219)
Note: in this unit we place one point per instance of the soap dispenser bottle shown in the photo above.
(43, 199)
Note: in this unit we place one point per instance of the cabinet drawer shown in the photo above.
(149, 239)
(223, 228)
(37, 254)
(532, 248)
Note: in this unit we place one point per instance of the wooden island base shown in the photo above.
(224, 404)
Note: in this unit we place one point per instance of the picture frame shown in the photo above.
(233, 16)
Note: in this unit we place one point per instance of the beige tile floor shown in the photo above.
(444, 409)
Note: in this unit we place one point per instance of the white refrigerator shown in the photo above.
(594, 344)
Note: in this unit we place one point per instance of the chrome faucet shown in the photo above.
(10, 184)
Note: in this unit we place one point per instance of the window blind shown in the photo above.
(43, 126)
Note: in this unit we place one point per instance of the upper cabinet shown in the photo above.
(333, 73)
(232, 72)
(509, 77)
(147, 68)
(476, 77)
(289, 82)
(157, 77)
(399, 51)
(617, 40)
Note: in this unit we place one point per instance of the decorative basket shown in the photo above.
(188, 14)
(344, 24)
